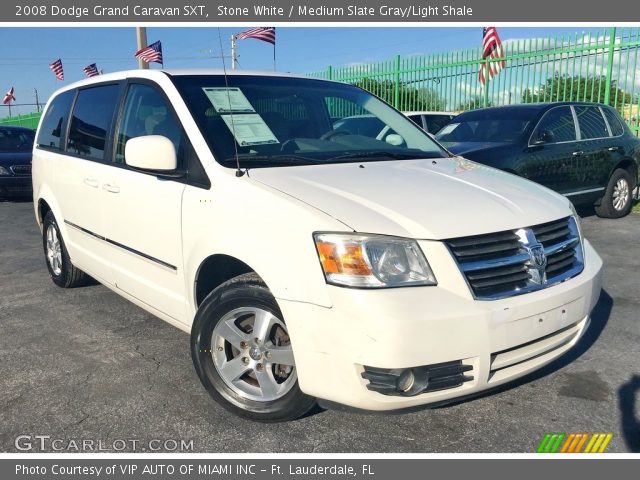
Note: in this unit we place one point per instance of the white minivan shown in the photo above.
(309, 263)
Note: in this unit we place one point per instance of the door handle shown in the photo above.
(92, 182)
(578, 153)
(111, 188)
(613, 149)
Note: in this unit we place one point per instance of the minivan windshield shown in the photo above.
(275, 121)
(488, 126)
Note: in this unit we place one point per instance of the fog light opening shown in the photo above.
(406, 380)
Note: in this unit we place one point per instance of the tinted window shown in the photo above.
(146, 112)
(591, 123)
(417, 119)
(91, 121)
(559, 123)
(436, 122)
(614, 122)
(54, 121)
(15, 140)
(488, 125)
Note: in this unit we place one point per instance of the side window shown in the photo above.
(614, 121)
(91, 121)
(556, 126)
(437, 122)
(146, 112)
(591, 123)
(53, 124)
(417, 119)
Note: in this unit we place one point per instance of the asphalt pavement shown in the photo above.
(85, 365)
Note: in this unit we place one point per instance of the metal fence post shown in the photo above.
(485, 102)
(396, 83)
(329, 72)
(612, 46)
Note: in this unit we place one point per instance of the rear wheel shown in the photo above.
(62, 271)
(617, 198)
(242, 352)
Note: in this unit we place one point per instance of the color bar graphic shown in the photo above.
(556, 442)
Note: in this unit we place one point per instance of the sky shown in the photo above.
(29, 50)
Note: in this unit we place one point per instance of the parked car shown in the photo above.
(16, 144)
(307, 263)
(431, 122)
(584, 151)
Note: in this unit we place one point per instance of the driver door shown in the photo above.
(143, 210)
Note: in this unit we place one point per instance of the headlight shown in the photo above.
(576, 217)
(4, 171)
(372, 261)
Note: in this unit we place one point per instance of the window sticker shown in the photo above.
(227, 100)
(249, 129)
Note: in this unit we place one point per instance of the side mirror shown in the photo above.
(394, 139)
(151, 152)
(544, 136)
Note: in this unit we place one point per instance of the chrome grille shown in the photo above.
(21, 169)
(503, 264)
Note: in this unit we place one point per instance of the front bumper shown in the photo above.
(412, 327)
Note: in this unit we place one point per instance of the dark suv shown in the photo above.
(583, 150)
(16, 144)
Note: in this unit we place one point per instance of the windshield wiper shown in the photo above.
(270, 160)
(375, 154)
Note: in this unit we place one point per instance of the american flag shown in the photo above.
(56, 68)
(9, 97)
(152, 53)
(491, 49)
(266, 34)
(91, 70)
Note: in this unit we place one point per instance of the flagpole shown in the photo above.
(234, 53)
(141, 37)
(274, 56)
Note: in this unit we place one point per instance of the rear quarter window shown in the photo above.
(614, 122)
(53, 126)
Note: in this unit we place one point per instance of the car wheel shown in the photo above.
(62, 271)
(242, 352)
(617, 198)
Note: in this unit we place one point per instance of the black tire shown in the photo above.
(607, 207)
(243, 291)
(67, 276)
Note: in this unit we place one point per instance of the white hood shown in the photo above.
(422, 199)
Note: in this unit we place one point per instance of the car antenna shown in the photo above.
(239, 172)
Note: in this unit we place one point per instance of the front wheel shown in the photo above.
(242, 353)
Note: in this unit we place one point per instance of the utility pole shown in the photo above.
(141, 36)
(234, 53)
(37, 101)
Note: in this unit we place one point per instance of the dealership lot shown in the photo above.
(86, 365)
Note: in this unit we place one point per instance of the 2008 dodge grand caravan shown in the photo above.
(308, 262)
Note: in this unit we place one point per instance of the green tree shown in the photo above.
(477, 101)
(577, 88)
